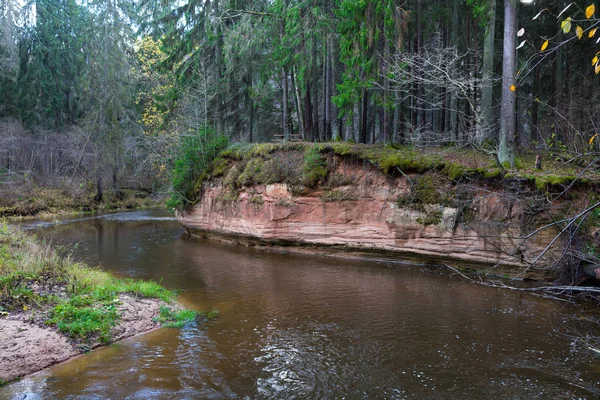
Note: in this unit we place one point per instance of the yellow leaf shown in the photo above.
(589, 12)
(592, 139)
(513, 88)
(592, 33)
(545, 45)
(566, 25)
(579, 31)
(25, 308)
(597, 70)
(595, 60)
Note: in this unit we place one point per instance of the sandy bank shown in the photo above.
(26, 347)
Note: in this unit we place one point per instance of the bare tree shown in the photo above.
(436, 67)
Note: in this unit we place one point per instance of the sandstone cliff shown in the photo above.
(324, 196)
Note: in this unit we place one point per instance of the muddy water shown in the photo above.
(296, 326)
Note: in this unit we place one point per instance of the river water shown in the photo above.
(310, 327)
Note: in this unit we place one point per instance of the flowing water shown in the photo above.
(298, 326)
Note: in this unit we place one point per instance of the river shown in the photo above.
(311, 327)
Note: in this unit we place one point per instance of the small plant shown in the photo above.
(175, 319)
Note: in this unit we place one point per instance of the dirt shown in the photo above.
(26, 347)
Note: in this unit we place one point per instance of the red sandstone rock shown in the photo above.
(372, 221)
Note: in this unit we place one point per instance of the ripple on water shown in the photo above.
(310, 327)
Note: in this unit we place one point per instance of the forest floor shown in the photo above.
(31, 200)
(53, 309)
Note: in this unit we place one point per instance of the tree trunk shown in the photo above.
(284, 106)
(219, 69)
(362, 136)
(328, 90)
(315, 87)
(506, 149)
(299, 111)
(99, 190)
(335, 74)
(284, 87)
(487, 119)
(453, 107)
(386, 91)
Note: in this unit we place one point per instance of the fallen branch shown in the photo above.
(550, 289)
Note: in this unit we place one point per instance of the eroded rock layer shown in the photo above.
(359, 207)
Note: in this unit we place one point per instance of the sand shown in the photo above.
(26, 347)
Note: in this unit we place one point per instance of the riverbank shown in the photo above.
(31, 200)
(53, 309)
(454, 204)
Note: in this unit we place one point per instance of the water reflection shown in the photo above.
(294, 326)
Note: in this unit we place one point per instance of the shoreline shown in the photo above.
(53, 309)
(402, 258)
(27, 348)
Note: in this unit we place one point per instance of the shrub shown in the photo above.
(192, 159)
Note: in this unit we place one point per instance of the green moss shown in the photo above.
(272, 171)
(251, 172)
(231, 179)
(284, 203)
(315, 167)
(338, 195)
(455, 171)
(257, 199)
(431, 218)
(304, 165)
(219, 166)
(543, 182)
(489, 172)
(427, 191)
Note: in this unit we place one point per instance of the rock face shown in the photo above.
(361, 208)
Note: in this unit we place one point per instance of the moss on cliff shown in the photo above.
(307, 165)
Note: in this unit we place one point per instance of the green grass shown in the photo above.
(175, 319)
(81, 322)
(78, 300)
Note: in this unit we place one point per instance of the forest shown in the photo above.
(121, 93)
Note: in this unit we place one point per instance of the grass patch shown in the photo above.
(79, 301)
(79, 322)
(175, 319)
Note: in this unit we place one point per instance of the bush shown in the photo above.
(191, 160)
